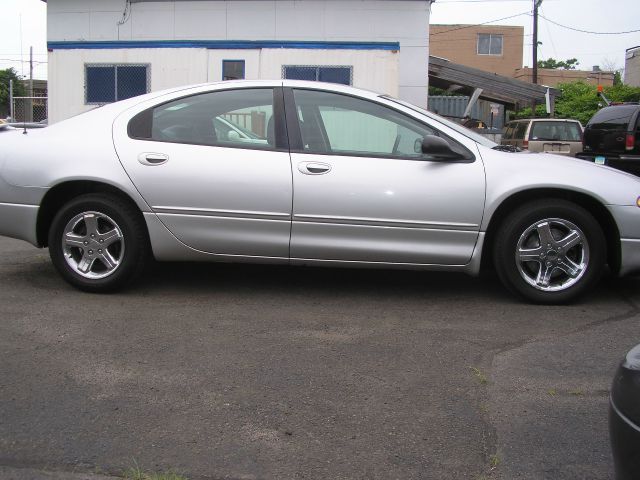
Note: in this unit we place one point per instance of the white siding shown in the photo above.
(168, 68)
(404, 21)
(375, 70)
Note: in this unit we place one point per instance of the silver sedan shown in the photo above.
(322, 175)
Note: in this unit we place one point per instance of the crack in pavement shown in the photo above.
(489, 430)
(632, 312)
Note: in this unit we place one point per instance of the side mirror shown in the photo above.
(438, 149)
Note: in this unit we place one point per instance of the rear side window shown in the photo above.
(228, 118)
(508, 132)
(613, 118)
(558, 131)
(520, 130)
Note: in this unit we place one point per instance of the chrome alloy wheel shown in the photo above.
(93, 245)
(552, 255)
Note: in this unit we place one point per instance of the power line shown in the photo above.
(19, 61)
(587, 31)
(483, 23)
(553, 44)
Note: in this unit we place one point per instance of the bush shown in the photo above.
(580, 100)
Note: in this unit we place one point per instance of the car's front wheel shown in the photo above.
(98, 243)
(551, 251)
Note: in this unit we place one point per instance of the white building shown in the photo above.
(104, 50)
(632, 67)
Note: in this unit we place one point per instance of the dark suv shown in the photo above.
(612, 137)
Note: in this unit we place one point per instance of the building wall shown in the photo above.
(632, 67)
(403, 73)
(459, 44)
(552, 77)
(170, 67)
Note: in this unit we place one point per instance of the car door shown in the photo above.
(365, 192)
(214, 190)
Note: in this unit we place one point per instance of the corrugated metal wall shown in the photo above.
(454, 107)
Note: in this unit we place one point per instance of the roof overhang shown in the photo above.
(496, 88)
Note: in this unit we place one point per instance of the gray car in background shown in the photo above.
(548, 135)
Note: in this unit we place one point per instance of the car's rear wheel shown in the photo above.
(551, 251)
(98, 243)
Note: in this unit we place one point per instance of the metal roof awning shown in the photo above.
(496, 88)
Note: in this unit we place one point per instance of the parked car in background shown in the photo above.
(345, 178)
(624, 417)
(548, 135)
(612, 137)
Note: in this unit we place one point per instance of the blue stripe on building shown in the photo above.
(222, 45)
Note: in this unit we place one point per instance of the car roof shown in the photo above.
(545, 120)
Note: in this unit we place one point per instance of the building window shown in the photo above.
(110, 83)
(232, 69)
(489, 44)
(319, 73)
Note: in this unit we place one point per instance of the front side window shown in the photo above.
(330, 74)
(489, 44)
(229, 118)
(111, 83)
(338, 124)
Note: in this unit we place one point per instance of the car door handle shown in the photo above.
(314, 168)
(153, 159)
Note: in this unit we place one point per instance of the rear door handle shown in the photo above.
(314, 168)
(153, 159)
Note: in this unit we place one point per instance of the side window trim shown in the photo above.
(142, 122)
(296, 144)
(293, 126)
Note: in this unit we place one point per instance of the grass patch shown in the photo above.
(136, 473)
(481, 377)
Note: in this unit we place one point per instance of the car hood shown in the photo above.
(508, 173)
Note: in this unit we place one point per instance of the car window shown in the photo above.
(508, 133)
(520, 130)
(227, 118)
(613, 118)
(558, 131)
(338, 124)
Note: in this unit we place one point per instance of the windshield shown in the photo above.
(556, 131)
(455, 126)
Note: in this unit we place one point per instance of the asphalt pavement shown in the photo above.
(262, 372)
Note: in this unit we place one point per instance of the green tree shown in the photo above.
(569, 64)
(18, 89)
(580, 101)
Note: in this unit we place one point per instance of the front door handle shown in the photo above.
(314, 168)
(153, 159)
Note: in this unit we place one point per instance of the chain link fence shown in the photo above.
(29, 109)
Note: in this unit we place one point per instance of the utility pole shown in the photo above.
(29, 102)
(536, 4)
(11, 113)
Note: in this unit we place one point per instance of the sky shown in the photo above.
(23, 24)
(557, 42)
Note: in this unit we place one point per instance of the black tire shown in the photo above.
(546, 279)
(119, 225)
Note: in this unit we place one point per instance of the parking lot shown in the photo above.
(261, 372)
